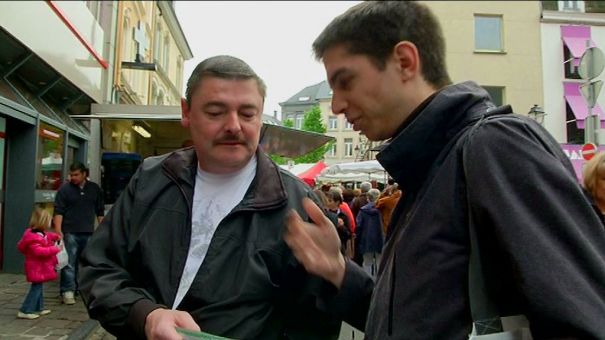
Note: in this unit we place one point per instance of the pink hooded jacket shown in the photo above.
(40, 255)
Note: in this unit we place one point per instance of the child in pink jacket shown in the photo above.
(38, 246)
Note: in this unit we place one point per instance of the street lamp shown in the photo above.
(537, 113)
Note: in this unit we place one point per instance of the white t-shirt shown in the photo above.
(214, 197)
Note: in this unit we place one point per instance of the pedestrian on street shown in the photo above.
(38, 246)
(78, 205)
(369, 233)
(476, 177)
(195, 240)
(594, 183)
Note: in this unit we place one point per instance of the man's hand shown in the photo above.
(316, 246)
(161, 324)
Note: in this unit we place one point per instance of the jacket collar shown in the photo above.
(411, 153)
(266, 190)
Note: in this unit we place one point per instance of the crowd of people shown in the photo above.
(486, 223)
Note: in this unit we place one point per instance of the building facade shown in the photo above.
(52, 66)
(57, 64)
(347, 143)
(151, 49)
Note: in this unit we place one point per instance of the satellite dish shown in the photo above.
(592, 63)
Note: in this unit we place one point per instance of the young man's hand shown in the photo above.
(316, 246)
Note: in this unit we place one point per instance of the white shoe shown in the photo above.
(68, 298)
(44, 312)
(29, 316)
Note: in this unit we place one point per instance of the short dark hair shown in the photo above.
(225, 67)
(78, 166)
(373, 28)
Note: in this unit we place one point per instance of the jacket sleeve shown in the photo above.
(110, 293)
(528, 207)
(352, 301)
(40, 250)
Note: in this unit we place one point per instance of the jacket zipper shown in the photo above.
(391, 297)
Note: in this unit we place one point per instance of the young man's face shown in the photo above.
(371, 99)
(225, 122)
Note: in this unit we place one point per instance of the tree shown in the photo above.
(313, 123)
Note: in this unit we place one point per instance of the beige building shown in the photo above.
(495, 43)
(150, 52)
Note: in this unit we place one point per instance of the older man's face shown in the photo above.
(224, 119)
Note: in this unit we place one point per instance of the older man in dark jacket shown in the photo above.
(195, 240)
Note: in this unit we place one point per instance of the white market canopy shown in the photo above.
(365, 167)
(354, 172)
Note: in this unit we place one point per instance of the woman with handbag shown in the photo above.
(38, 246)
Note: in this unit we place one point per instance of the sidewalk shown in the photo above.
(65, 322)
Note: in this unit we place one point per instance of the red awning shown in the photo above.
(309, 175)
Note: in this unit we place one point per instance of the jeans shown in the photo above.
(34, 300)
(74, 244)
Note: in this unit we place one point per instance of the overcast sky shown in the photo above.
(273, 37)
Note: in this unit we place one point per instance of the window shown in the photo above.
(573, 6)
(496, 93)
(126, 40)
(348, 126)
(179, 74)
(166, 54)
(348, 147)
(332, 123)
(332, 150)
(488, 33)
(50, 159)
(158, 42)
(569, 64)
(575, 135)
(298, 124)
(594, 6)
(550, 5)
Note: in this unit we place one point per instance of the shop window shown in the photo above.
(49, 159)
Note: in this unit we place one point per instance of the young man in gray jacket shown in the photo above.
(468, 170)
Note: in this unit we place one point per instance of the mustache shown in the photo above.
(230, 139)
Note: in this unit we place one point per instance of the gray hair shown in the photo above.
(224, 67)
(365, 186)
(373, 195)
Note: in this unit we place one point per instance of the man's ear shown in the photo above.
(407, 58)
(185, 112)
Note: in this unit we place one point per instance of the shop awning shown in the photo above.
(575, 38)
(577, 103)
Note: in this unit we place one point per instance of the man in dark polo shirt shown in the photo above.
(77, 204)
